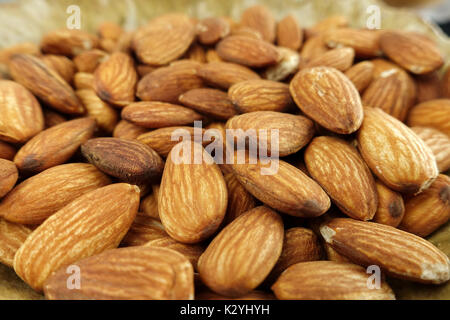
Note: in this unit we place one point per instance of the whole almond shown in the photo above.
(91, 224)
(239, 200)
(12, 236)
(212, 102)
(83, 80)
(137, 273)
(340, 58)
(45, 83)
(8, 176)
(439, 143)
(289, 33)
(391, 208)
(105, 115)
(128, 130)
(394, 153)
(54, 146)
(224, 74)
(61, 65)
(339, 168)
(88, 61)
(243, 253)
(212, 30)
(369, 243)
(191, 209)
(327, 96)
(428, 211)
(143, 230)
(361, 74)
(260, 95)
(68, 42)
(21, 117)
(40, 196)
(260, 18)
(7, 151)
(433, 113)
(365, 42)
(328, 280)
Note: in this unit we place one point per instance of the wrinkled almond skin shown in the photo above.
(439, 143)
(128, 130)
(58, 186)
(21, 117)
(361, 74)
(313, 47)
(328, 280)
(224, 74)
(289, 33)
(243, 253)
(12, 236)
(129, 161)
(53, 118)
(260, 18)
(8, 176)
(391, 208)
(54, 146)
(93, 223)
(394, 153)
(83, 80)
(212, 102)
(115, 80)
(239, 200)
(327, 96)
(68, 42)
(45, 83)
(193, 197)
(88, 61)
(153, 114)
(426, 212)
(143, 230)
(61, 65)
(369, 243)
(340, 58)
(366, 43)
(138, 273)
(149, 205)
(433, 113)
(260, 95)
(294, 132)
(212, 30)
(7, 151)
(339, 168)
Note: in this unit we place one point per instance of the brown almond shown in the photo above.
(62, 65)
(428, 87)
(365, 42)
(196, 53)
(128, 130)
(361, 74)
(149, 205)
(143, 230)
(260, 18)
(391, 208)
(24, 48)
(212, 102)
(439, 143)
(224, 74)
(340, 58)
(313, 47)
(212, 56)
(289, 33)
(12, 236)
(433, 113)
(88, 61)
(8, 176)
(239, 200)
(212, 30)
(7, 151)
(68, 42)
(53, 118)
(83, 80)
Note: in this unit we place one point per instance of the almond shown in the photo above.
(340, 58)
(313, 47)
(115, 79)
(137, 273)
(414, 52)
(212, 56)
(260, 18)
(394, 153)
(91, 224)
(428, 87)
(212, 102)
(68, 42)
(433, 113)
(332, 255)
(243, 253)
(391, 208)
(45, 83)
(191, 209)
(289, 33)
(369, 243)
(54, 146)
(361, 75)
(83, 80)
(328, 280)
(260, 95)
(339, 168)
(127, 160)
(365, 42)
(383, 66)
(40, 196)
(224, 74)
(287, 65)
(327, 96)
(212, 30)
(149, 206)
(128, 130)
(109, 30)
(24, 48)
(88, 61)
(428, 211)
(439, 143)
(196, 53)
(8, 176)
(152, 114)
(12, 236)
(61, 65)
(52, 118)
(240, 30)
(239, 200)
(21, 117)
(143, 70)
(105, 115)
(143, 230)
(7, 151)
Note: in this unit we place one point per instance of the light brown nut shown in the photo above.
(7, 151)
(313, 47)
(414, 52)
(239, 200)
(292, 132)
(68, 42)
(260, 18)
(93, 223)
(212, 30)
(40, 196)
(328, 280)
(137, 273)
(428, 87)
(53, 118)
(88, 61)
(241, 256)
(143, 230)
(340, 58)
(327, 96)
(115, 79)
(128, 130)
(24, 48)
(439, 143)
(149, 206)
(105, 115)
(44, 83)
(54, 146)
(287, 65)
(196, 53)
(212, 56)
(395, 154)
(332, 255)
(224, 74)
(192, 199)
(61, 65)
(143, 70)
(382, 65)
(365, 42)
(288, 190)
(391, 208)
(21, 115)
(361, 74)
(240, 30)
(327, 24)
(212, 102)
(247, 51)
(369, 243)
(260, 95)
(339, 168)
(8, 176)
(12, 236)
(164, 39)
(83, 80)
(289, 33)
(433, 113)
(428, 211)
(129, 161)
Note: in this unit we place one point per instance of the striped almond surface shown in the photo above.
(12, 236)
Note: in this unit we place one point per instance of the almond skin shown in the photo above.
(7, 151)
(340, 170)
(12, 236)
(8, 176)
(224, 74)
(340, 58)
(91, 224)
(289, 33)
(212, 30)
(394, 153)
(83, 80)
(361, 75)
(294, 132)
(313, 47)
(88, 61)
(212, 102)
(366, 43)
(248, 52)
(149, 205)
(143, 230)
(391, 208)
(428, 87)
(328, 280)
(433, 113)
(153, 114)
(260, 95)
(54, 146)
(115, 80)
(260, 18)
(426, 212)
(239, 200)
(45, 83)
(439, 143)
(243, 253)
(53, 118)
(61, 65)
(68, 42)
(191, 208)
(369, 243)
(327, 96)
(128, 130)
(137, 273)
(127, 160)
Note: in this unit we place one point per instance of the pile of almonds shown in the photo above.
(86, 122)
